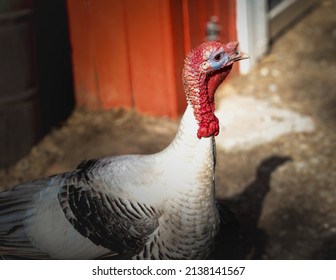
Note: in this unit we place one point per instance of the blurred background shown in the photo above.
(82, 79)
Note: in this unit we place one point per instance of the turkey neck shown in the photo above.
(191, 155)
(190, 160)
(190, 220)
(186, 141)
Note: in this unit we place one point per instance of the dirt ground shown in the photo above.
(283, 192)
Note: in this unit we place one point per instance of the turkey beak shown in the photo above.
(238, 55)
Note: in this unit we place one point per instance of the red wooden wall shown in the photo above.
(129, 53)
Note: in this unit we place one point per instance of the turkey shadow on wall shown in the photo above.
(239, 235)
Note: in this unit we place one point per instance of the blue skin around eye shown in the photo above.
(219, 64)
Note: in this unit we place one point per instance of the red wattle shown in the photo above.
(208, 126)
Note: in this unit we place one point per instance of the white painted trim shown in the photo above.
(252, 30)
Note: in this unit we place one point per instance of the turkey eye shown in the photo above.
(218, 57)
(236, 52)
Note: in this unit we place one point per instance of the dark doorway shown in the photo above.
(36, 88)
(56, 94)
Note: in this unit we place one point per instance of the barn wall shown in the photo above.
(129, 53)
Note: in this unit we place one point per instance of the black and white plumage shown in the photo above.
(158, 206)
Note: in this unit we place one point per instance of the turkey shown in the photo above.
(159, 206)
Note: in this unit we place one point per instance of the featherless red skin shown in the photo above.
(200, 84)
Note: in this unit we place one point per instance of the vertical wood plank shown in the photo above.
(180, 43)
(186, 26)
(110, 49)
(152, 80)
(227, 14)
(85, 82)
